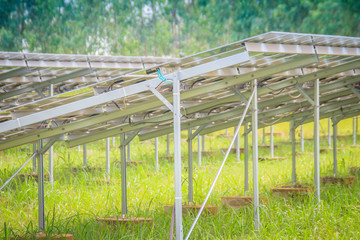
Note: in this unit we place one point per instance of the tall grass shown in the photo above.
(74, 201)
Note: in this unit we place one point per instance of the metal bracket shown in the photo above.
(307, 96)
(335, 120)
(248, 130)
(338, 118)
(198, 130)
(354, 90)
(129, 138)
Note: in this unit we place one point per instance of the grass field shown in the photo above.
(74, 201)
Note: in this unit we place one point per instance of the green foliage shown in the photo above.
(163, 27)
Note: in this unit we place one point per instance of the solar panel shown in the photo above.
(281, 62)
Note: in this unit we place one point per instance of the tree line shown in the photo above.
(162, 27)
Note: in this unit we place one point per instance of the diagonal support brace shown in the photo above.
(300, 122)
(48, 144)
(41, 151)
(307, 96)
(197, 132)
(354, 90)
(130, 138)
(40, 93)
(240, 95)
(161, 98)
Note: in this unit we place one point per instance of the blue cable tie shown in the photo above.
(161, 77)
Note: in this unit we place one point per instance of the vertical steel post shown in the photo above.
(302, 138)
(79, 148)
(203, 143)
(190, 169)
(334, 145)
(329, 132)
(293, 144)
(51, 90)
(113, 141)
(227, 132)
(246, 159)
(168, 145)
(272, 141)
(263, 136)
(41, 198)
(199, 150)
(34, 159)
(51, 165)
(123, 176)
(237, 146)
(108, 157)
(317, 140)
(157, 154)
(128, 152)
(177, 157)
(84, 156)
(354, 130)
(254, 126)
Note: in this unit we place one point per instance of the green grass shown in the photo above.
(74, 202)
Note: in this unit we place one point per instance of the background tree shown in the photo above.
(162, 27)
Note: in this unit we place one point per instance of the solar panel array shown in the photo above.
(88, 98)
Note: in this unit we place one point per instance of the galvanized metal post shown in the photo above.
(177, 157)
(317, 140)
(34, 159)
(237, 146)
(329, 132)
(203, 143)
(246, 159)
(157, 154)
(263, 136)
(113, 141)
(51, 165)
(123, 176)
(227, 132)
(272, 141)
(168, 145)
(128, 152)
(190, 169)
(51, 90)
(41, 198)
(354, 130)
(199, 150)
(293, 144)
(302, 138)
(108, 157)
(254, 127)
(334, 146)
(84, 156)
